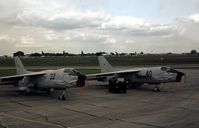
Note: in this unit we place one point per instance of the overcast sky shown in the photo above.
(99, 25)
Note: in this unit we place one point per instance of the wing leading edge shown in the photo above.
(122, 72)
(16, 78)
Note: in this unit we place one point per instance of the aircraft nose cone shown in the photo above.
(81, 80)
(179, 74)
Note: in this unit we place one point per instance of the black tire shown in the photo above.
(156, 90)
(48, 91)
(63, 98)
(110, 89)
(124, 88)
(25, 92)
(111, 86)
(114, 90)
(120, 87)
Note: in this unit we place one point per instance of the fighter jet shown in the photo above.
(119, 79)
(47, 80)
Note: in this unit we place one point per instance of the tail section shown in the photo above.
(104, 64)
(19, 66)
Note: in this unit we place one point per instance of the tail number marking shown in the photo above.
(149, 73)
(52, 76)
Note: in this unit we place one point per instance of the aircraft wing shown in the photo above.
(105, 74)
(16, 78)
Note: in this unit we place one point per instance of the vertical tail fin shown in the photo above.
(19, 66)
(104, 64)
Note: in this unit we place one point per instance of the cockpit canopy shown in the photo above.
(70, 71)
(168, 69)
(165, 68)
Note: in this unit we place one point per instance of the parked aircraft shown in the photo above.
(47, 80)
(120, 79)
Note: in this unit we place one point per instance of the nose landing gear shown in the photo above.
(156, 89)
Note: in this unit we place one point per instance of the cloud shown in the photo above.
(61, 21)
(66, 25)
(64, 15)
(194, 18)
(124, 22)
(4, 37)
(189, 27)
(136, 26)
(7, 45)
(110, 41)
(27, 42)
(92, 20)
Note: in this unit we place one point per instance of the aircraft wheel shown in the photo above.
(124, 90)
(156, 89)
(62, 98)
(110, 89)
(25, 92)
(48, 91)
(111, 86)
(122, 87)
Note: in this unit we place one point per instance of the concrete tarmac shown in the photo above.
(176, 106)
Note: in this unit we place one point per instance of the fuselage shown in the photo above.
(52, 79)
(154, 75)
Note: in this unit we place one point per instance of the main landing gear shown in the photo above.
(62, 97)
(26, 91)
(118, 85)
